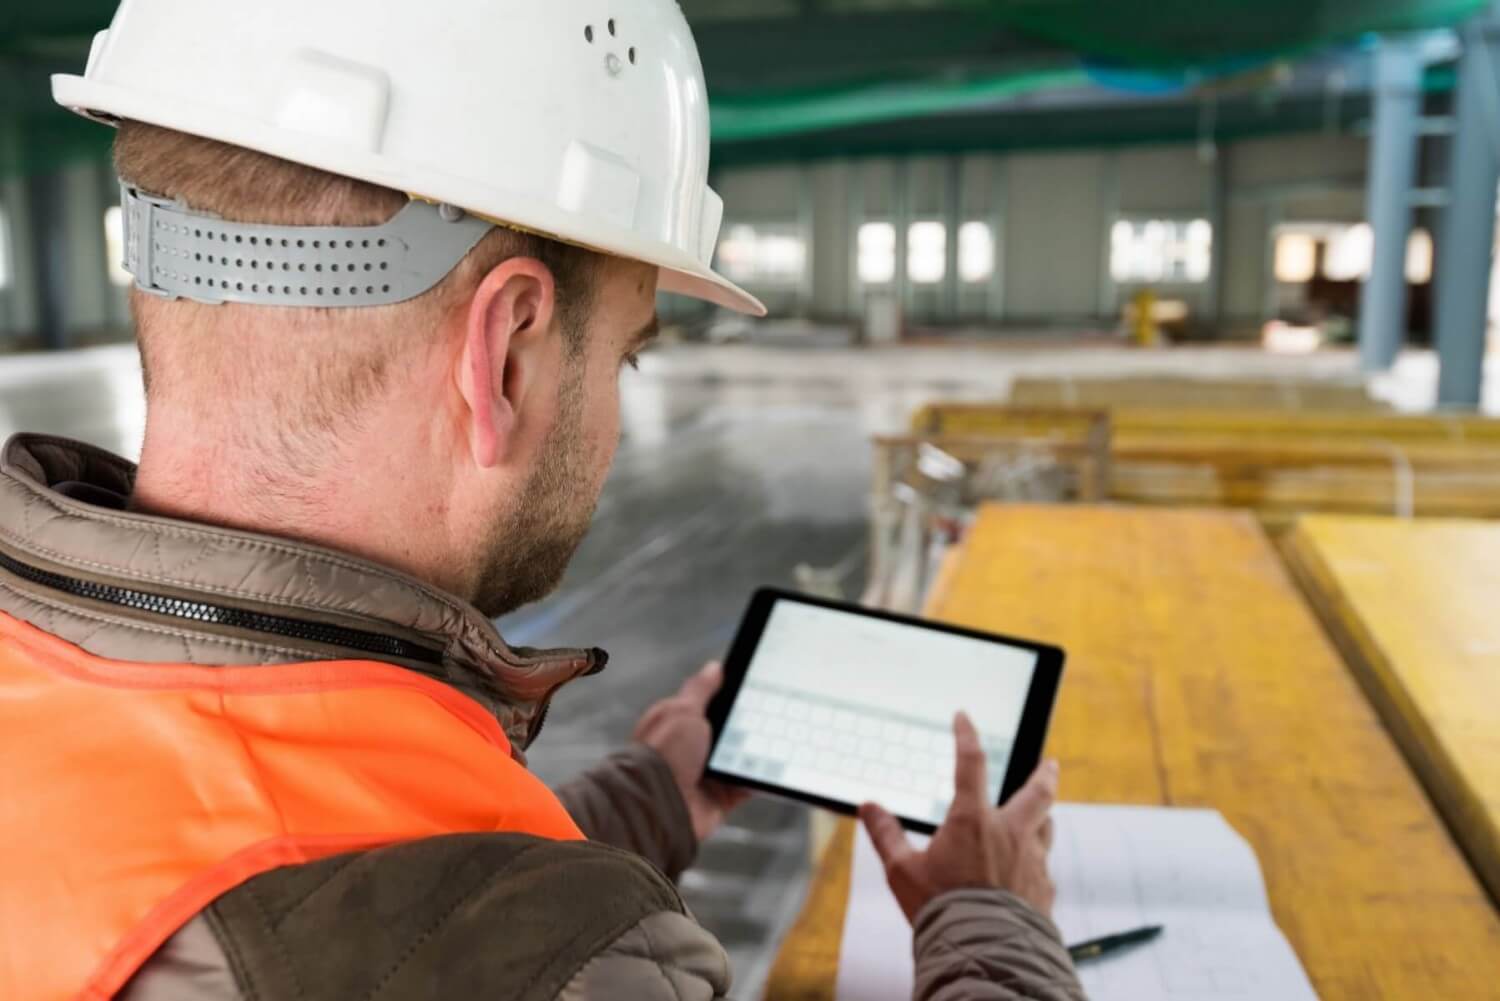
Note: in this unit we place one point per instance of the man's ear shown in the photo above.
(504, 332)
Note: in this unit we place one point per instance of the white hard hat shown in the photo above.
(586, 120)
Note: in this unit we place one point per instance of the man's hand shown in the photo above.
(678, 730)
(978, 845)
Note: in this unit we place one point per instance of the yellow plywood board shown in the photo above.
(1417, 606)
(1197, 676)
(1281, 394)
(1277, 463)
(807, 966)
(1272, 424)
(1239, 425)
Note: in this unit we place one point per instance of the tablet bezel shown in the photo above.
(1031, 734)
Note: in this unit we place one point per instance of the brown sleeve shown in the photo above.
(190, 966)
(477, 916)
(631, 801)
(989, 945)
(666, 957)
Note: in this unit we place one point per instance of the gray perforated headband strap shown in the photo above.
(177, 253)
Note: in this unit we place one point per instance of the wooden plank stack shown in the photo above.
(1183, 391)
(1412, 604)
(1278, 463)
(1197, 676)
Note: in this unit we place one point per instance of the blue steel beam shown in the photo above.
(1466, 242)
(1393, 166)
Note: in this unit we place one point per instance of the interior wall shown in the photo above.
(18, 307)
(1051, 215)
(769, 195)
(1248, 261)
(981, 199)
(86, 306)
(1057, 214)
(832, 259)
(1170, 182)
(93, 308)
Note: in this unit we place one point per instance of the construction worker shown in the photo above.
(262, 739)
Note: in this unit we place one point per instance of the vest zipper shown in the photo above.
(234, 618)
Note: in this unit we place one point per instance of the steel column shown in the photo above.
(1466, 240)
(1393, 165)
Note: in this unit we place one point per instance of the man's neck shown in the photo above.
(361, 509)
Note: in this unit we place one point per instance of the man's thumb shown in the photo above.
(1035, 799)
(701, 688)
(885, 832)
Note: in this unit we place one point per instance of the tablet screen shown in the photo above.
(852, 708)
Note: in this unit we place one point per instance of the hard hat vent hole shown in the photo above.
(588, 34)
(611, 27)
(632, 55)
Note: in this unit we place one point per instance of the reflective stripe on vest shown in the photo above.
(133, 795)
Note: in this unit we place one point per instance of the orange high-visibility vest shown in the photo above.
(133, 795)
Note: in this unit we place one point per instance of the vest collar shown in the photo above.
(56, 514)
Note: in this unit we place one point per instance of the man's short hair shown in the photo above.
(243, 185)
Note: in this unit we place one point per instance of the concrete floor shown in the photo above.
(737, 463)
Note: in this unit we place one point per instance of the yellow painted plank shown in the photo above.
(1197, 676)
(1239, 425)
(1355, 425)
(1266, 394)
(1417, 606)
(1271, 489)
(806, 968)
(1297, 449)
(1433, 466)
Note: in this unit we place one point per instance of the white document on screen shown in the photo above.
(1116, 868)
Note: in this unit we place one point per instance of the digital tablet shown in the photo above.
(837, 705)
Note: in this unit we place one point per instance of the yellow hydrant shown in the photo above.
(1144, 329)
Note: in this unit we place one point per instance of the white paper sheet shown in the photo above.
(1116, 868)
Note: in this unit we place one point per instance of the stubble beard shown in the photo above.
(527, 553)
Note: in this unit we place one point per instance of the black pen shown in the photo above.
(1095, 948)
